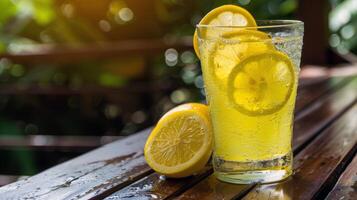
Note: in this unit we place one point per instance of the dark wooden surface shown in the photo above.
(324, 143)
(5, 179)
(346, 187)
(97, 172)
(52, 142)
(136, 88)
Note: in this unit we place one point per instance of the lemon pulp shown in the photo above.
(262, 83)
(181, 143)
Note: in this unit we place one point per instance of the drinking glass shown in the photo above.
(251, 79)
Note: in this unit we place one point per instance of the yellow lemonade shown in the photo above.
(251, 82)
(256, 130)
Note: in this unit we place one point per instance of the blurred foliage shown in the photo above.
(343, 26)
(25, 25)
(8, 10)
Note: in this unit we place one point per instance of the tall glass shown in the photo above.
(251, 78)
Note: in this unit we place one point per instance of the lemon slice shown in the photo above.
(262, 83)
(181, 143)
(234, 46)
(226, 15)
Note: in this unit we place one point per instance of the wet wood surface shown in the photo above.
(308, 92)
(5, 179)
(93, 174)
(210, 188)
(346, 187)
(324, 145)
(59, 143)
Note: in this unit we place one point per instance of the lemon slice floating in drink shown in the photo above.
(181, 143)
(253, 81)
(243, 43)
(226, 15)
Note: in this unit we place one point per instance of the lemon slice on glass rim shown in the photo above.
(261, 84)
(226, 15)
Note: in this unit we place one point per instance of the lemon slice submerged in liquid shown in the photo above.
(262, 83)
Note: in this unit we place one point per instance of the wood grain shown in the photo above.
(307, 93)
(56, 143)
(88, 89)
(6, 179)
(93, 174)
(346, 187)
(322, 112)
(156, 186)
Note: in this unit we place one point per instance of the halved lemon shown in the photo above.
(226, 15)
(181, 143)
(234, 46)
(262, 83)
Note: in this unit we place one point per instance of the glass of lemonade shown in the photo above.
(251, 78)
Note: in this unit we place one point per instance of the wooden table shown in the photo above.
(325, 165)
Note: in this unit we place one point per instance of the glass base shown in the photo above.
(266, 171)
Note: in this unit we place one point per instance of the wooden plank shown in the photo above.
(66, 53)
(6, 179)
(51, 142)
(134, 88)
(162, 186)
(317, 165)
(322, 112)
(210, 188)
(103, 170)
(346, 185)
(308, 92)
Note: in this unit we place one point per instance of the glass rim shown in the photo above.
(274, 24)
